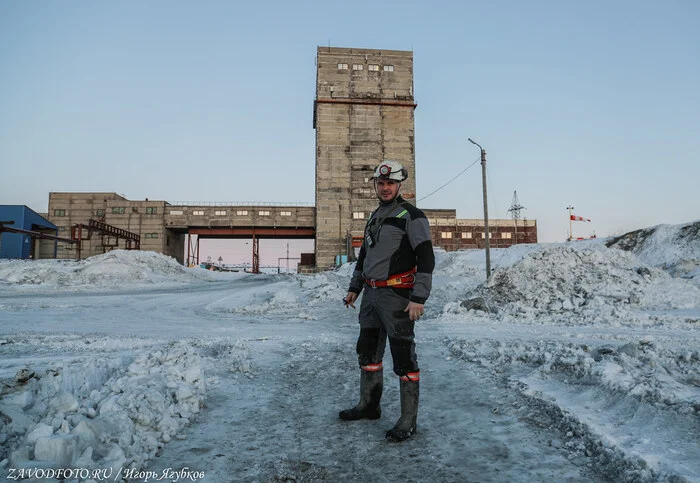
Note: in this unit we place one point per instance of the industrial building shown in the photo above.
(173, 230)
(451, 233)
(144, 219)
(363, 114)
(26, 234)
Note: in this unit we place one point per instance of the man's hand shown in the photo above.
(350, 299)
(415, 310)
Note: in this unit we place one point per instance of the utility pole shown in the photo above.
(487, 235)
(571, 231)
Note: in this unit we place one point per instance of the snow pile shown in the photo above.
(675, 248)
(115, 269)
(325, 287)
(108, 412)
(345, 270)
(298, 296)
(654, 375)
(458, 263)
(471, 263)
(615, 405)
(562, 279)
(456, 274)
(47, 345)
(278, 297)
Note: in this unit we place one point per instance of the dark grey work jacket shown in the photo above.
(401, 241)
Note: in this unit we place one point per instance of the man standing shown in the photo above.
(395, 269)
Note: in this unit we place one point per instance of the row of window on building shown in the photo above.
(120, 210)
(370, 67)
(117, 210)
(145, 235)
(238, 213)
(360, 215)
(466, 234)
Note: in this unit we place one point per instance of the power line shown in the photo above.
(450, 181)
(495, 204)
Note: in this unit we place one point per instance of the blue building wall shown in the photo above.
(16, 245)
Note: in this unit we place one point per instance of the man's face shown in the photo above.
(387, 189)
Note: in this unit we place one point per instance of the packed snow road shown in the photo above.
(572, 365)
(282, 423)
(274, 385)
(274, 388)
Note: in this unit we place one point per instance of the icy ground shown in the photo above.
(575, 362)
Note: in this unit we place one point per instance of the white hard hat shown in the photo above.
(391, 170)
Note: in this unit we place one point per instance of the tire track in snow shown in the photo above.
(622, 429)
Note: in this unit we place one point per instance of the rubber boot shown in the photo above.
(405, 427)
(371, 386)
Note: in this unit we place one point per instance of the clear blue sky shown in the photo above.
(595, 104)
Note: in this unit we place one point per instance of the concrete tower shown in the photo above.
(363, 114)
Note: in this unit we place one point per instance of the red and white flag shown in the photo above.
(578, 218)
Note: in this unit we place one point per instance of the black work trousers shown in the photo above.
(382, 315)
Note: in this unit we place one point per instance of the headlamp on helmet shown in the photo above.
(391, 170)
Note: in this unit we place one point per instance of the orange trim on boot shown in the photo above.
(372, 367)
(411, 376)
